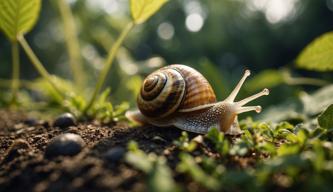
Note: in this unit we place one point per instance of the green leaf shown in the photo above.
(188, 165)
(288, 110)
(287, 149)
(267, 147)
(143, 9)
(325, 119)
(221, 145)
(160, 177)
(318, 159)
(184, 143)
(240, 149)
(140, 160)
(319, 100)
(318, 55)
(18, 16)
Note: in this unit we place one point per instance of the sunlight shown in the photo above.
(275, 10)
(196, 15)
(71, 1)
(114, 7)
(194, 22)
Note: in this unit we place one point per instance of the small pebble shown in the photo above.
(31, 122)
(34, 122)
(17, 148)
(67, 144)
(45, 124)
(65, 120)
(115, 154)
(159, 139)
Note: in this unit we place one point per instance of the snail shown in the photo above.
(178, 95)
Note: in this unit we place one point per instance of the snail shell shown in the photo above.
(175, 87)
(179, 95)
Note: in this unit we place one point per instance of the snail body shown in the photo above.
(178, 95)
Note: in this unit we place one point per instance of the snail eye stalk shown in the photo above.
(233, 94)
(238, 107)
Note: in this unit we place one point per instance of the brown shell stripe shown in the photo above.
(198, 90)
(151, 93)
(169, 98)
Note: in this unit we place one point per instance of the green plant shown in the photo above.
(72, 43)
(265, 156)
(184, 143)
(318, 55)
(159, 176)
(325, 119)
(19, 18)
(141, 10)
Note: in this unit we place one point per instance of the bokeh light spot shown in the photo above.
(275, 10)
(194, 22)
(166, 31)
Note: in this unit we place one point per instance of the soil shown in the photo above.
(24, 167)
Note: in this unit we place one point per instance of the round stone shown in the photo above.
(31, 122)
(115, 154)
(67, 144)
(65, 120)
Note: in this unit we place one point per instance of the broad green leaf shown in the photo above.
(318, 55)
(325, 119)
(18, 16)
(143, 9)
(287, 111)
(319, 100)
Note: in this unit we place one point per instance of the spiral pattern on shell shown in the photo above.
(173, 88)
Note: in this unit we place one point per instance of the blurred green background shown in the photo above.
(219, 38)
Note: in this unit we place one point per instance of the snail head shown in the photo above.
(232, 108)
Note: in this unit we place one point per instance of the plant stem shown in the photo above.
(290, 80)
(111, 55)
(72, 43)
(6, 83)
(306, 81)
(39, 66)
(16, 72)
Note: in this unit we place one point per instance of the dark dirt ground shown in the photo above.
(23, 166)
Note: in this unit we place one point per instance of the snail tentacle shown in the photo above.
(252, 97)
(249, 108)
(233, 94)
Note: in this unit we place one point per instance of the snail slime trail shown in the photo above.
(179, 95)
